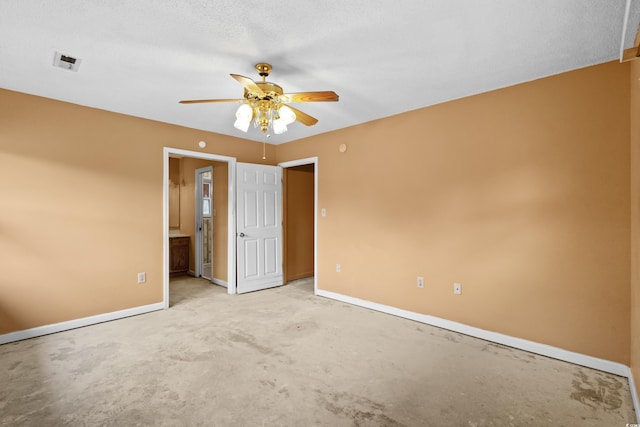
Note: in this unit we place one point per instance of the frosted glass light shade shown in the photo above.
(287, 115)
(243, 117)
(279, 126)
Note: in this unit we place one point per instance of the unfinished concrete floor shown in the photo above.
(283, 357)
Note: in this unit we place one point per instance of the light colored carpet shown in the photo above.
(283, 357)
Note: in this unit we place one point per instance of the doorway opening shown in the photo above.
(229, 225)
(300, 209)
(181, 220)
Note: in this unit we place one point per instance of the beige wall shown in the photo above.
(635, 221)
(520, 194)
(188, 168)
(81, 207)
(298, 222)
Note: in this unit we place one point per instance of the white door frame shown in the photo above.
(231, 227)
(198, 211)
(310, 161)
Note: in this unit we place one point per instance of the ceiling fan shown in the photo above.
(264, 103)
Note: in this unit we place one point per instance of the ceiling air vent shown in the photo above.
(65, 61)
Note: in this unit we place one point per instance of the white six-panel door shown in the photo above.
(259, 227)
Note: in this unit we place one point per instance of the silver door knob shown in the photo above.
(241, 234)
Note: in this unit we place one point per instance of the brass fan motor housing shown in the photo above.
(271, 91)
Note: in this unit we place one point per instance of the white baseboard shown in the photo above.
(78, 323)
(519, 343)
(220, 282)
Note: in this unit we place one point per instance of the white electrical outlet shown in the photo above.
(142, 277)
(420, 282)
(457, 288)
(323, 212)
(337, 268)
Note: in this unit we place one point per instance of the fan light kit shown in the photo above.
(264, 104)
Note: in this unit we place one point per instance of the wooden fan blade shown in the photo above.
(249, 84)
(304, 118)
(310, 96)
(200, 101)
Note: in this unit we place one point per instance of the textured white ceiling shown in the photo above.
(382, 57)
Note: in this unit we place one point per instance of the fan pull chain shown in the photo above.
(264, 146)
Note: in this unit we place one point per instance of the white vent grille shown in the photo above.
(66, 62)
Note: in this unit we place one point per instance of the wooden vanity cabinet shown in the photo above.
(178, 255)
